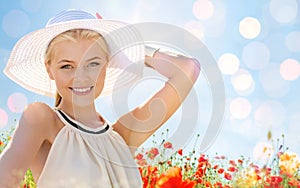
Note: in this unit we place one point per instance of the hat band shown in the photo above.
(70, 15)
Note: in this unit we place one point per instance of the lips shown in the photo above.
(81, 90)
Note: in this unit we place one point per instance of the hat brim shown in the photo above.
(26, 66)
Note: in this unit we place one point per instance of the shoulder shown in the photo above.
(38, 116)
(38, 111)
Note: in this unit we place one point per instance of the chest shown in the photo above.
(78, 158)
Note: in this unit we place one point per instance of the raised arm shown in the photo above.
(136, 126)
(26, 141)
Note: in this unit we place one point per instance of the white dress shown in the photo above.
(84, 157)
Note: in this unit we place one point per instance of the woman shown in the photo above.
(72, 145)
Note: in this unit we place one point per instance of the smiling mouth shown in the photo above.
(81, 90)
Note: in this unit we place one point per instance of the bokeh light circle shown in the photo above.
(262, 152)
(3, 118)
(270, 114)
(290, 69)
(249, 28)
(292, 41)
(228, 63)
(242, 81)
(17, 102)
(15, 23)
(256, 55)
(216, 25)
(203, 9)
(240, 108)
(196, 28)
(283, 11)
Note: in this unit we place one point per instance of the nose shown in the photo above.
(81, 74)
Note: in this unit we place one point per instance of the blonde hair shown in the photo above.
(74, 35)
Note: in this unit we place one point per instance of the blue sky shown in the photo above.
(255, 43)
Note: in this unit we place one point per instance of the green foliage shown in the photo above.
(5, 137)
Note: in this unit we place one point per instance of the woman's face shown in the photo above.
(78, 68)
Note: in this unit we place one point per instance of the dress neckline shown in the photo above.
(80, 126)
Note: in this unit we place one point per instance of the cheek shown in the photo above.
(62, 78)
(101, 77)
(99, 82)
(100, 74)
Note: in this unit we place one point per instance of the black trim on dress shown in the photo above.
(81, 128)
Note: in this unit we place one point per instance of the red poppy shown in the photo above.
(279, 154)
(232, 162)
(294, 183)
(200, 172)
(228, 176)
(139, 156)
(218, 184)
(152, 169)
(198, 179)
(258, 177)
(208, 184)
(142, 162)
(149, 176)
(221, 170)
(173, 178)
(153, 153)
(168, 145)
(232, 169)
(202, 159)
(180, 152)
(274, 180)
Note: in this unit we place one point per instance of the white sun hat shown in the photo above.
(26, 64)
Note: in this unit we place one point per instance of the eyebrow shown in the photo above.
(93, 58)
(65, 61)
(70, 61)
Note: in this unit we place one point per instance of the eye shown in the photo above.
(66, 67)
(93, 64)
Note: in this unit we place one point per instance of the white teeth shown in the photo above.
(82, 90)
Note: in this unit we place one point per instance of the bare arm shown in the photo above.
(26, 141)
(136, 126)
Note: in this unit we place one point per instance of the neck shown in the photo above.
(84, 114)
